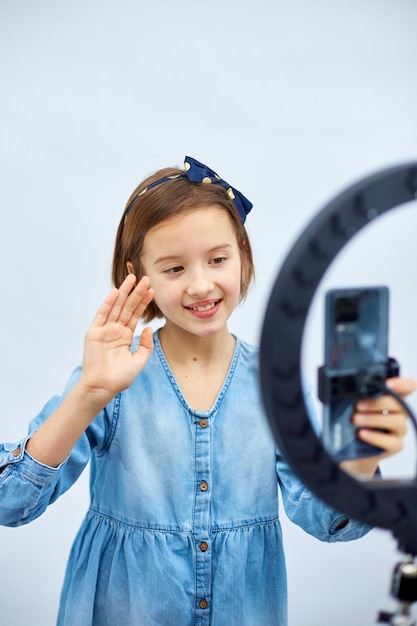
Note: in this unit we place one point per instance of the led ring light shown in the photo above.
(385, 504)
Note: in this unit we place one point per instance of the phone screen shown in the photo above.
(356, 335)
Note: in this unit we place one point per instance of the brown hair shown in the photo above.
(145, 210)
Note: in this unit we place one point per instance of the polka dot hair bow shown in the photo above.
(197, 172)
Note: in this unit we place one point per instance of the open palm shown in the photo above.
(109, 365)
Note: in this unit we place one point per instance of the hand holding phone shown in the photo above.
(356, 364)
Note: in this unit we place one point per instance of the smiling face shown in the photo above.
(194, 265)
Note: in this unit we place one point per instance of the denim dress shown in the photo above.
(183, 526)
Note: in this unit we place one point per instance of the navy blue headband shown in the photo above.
(197, 172)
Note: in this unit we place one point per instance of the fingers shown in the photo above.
(393, 423)
(104, 310)
(128, 298)
(135, 304)
(401, 386)
(126, 304)
(386, 431)
(390, 442)
(382, 405)
(382, 421)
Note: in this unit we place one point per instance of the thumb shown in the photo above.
(146, 340)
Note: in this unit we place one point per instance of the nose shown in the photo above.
(200, 283)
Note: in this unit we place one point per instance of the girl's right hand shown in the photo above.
(109, 365)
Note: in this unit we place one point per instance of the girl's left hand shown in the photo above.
(383, 413)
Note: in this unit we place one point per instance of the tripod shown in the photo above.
(404, 588)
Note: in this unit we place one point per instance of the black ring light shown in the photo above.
(390, 504)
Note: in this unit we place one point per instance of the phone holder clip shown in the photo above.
(366, 382)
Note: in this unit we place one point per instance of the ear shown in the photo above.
(129, 267)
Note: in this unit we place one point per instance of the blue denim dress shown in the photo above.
(183, 526)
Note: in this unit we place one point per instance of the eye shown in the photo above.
(218, 260)
(174, 270)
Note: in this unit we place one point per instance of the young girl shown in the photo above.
(183, 526)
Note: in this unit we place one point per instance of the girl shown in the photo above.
(183, 526)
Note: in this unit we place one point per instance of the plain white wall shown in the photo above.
(290, 102)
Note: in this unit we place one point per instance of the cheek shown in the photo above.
(165, 296)
(233, 286)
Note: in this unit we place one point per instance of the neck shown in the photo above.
(199, 364)
(181, 346)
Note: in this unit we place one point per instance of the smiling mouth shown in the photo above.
(203, 308)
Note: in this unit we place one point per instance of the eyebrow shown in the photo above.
(163, 259)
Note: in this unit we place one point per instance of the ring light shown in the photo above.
(390, 504)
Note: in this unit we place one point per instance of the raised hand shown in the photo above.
(382, 422)
(109, 365)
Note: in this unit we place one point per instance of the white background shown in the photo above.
(290, 102)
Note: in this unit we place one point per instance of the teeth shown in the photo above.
(207, 307)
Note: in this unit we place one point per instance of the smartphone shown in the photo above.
(356, 337)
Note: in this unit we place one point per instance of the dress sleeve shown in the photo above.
(311, 514)
(305, 509)
(27, 486)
